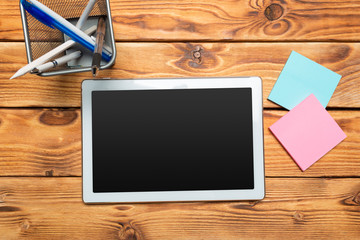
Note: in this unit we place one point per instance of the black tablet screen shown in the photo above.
(170, 140)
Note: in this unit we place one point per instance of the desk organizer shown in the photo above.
(40, 39)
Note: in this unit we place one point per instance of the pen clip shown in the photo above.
(37, 13)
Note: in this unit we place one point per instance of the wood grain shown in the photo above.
(47, 142)
(188, 20)
(40, 142)
(51, 208)
(160, 60)
(40, 148)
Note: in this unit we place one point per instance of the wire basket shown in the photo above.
(40, 39)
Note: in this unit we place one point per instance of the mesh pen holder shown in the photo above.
(40, 39)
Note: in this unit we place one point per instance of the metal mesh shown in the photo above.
(43, 38)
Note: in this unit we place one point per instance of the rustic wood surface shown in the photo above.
(40, 122)
(305, 208)
(159, 60)
(247, 20)
(47, 142)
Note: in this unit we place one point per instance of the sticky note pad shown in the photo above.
(307, 132)
(301, 77)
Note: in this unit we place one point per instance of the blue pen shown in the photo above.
(54, 20)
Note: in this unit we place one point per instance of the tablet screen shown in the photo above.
(172, 140)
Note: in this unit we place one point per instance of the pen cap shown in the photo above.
(40, 39)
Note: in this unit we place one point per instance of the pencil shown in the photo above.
(100, 34)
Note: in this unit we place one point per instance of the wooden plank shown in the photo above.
(10, 22)
(51, 208)
(47, 142)
(40, 142)
(188, 20)
(152, 60)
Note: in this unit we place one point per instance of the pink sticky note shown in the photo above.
(307, 132)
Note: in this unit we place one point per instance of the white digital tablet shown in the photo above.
(190, 139)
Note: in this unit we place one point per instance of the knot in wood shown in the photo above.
(2, 197)
(198, 48)
(9, 209)
(58, 117)
(25, 225)
(49, 173)
(127, 231)
(274, 11)
(298, 216)
(196, 54)
(356, 198)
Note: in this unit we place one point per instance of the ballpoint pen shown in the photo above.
(56, 62)
(69, 43)
(100, 33)
(47, 56)
(54, 20)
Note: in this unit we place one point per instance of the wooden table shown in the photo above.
(40, 122)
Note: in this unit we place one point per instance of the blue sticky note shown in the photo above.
(301, 77)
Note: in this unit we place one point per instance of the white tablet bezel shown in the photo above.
(254, 83)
